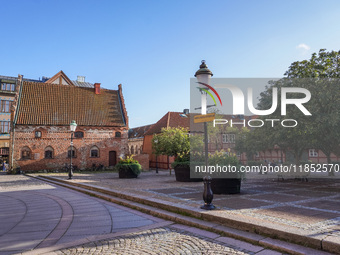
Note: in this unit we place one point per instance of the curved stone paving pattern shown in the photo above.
(38, 218)
(307, 209)
(155, 242)
(36, 215)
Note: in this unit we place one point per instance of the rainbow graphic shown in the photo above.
(213, 90)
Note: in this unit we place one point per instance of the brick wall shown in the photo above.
(143, 159)
(59, 139)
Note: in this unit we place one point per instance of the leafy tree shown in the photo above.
(324, 68)
(320, 75)
(171, 142)
(322, 65)
(295, 139)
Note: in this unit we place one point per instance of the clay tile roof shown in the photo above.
(171, 119)
(46, 104)
(138, 132)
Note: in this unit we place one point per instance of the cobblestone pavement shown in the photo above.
(310, 209)
(37, 215)
(161, 241)
(40, 218)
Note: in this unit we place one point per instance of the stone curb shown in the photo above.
(246, 231)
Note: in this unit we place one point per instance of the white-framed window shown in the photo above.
(313, 153)
(228, 138)
(257, 154)
(7, 86)
(5, 106)
(5, 127)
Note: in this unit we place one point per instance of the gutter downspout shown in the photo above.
(121, 107)
(15, 120)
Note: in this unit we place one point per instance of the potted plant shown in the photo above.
(175, 142)
(226, 183)
(128, 167)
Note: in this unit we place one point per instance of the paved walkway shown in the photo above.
(303, 212)
(41, 218)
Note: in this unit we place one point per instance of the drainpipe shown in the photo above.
(20, 80)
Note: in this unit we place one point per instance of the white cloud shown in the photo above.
(303, 46)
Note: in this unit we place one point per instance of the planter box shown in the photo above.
(226, 186)
(127, 174)
(182, 174)
(125, 171)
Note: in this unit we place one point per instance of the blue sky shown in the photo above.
(153, 47)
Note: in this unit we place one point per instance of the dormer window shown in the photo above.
(8, 86)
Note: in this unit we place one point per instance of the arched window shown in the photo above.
(49, 152)
(132, 150)
(71, 152)
(118, 134)
(136, 149)
(94, 152)
(26, 153)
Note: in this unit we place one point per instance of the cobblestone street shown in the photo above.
(161, 241)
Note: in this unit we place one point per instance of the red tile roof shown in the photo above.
(52, 104)
(138, 132)
(171, 119)
(177, 119)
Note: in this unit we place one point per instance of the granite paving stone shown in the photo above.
(306, 209)
(47, 219)
(93, 226)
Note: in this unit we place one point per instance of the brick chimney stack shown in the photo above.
(97, 88)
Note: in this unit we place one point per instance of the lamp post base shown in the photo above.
(70, 174)
(208, 207)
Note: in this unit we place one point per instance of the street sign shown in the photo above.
(204, 118)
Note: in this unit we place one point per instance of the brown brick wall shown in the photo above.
(59, 139)
(143, 159)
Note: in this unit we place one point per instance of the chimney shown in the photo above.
(80, 78)
(97, 88)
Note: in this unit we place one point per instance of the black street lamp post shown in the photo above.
(156, 141)
(203, 76)
(73, 127)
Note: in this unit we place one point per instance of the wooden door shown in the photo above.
(112, 158)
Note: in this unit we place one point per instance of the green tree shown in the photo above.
(171, 142)
(294, 139)
(324, 68)
(320, 75)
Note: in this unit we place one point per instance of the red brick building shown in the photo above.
(40, 137)
(170, 119)
(135, 144)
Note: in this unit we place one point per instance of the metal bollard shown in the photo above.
(207, 194)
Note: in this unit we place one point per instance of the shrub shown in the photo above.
(129, 164)
(136, 168)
